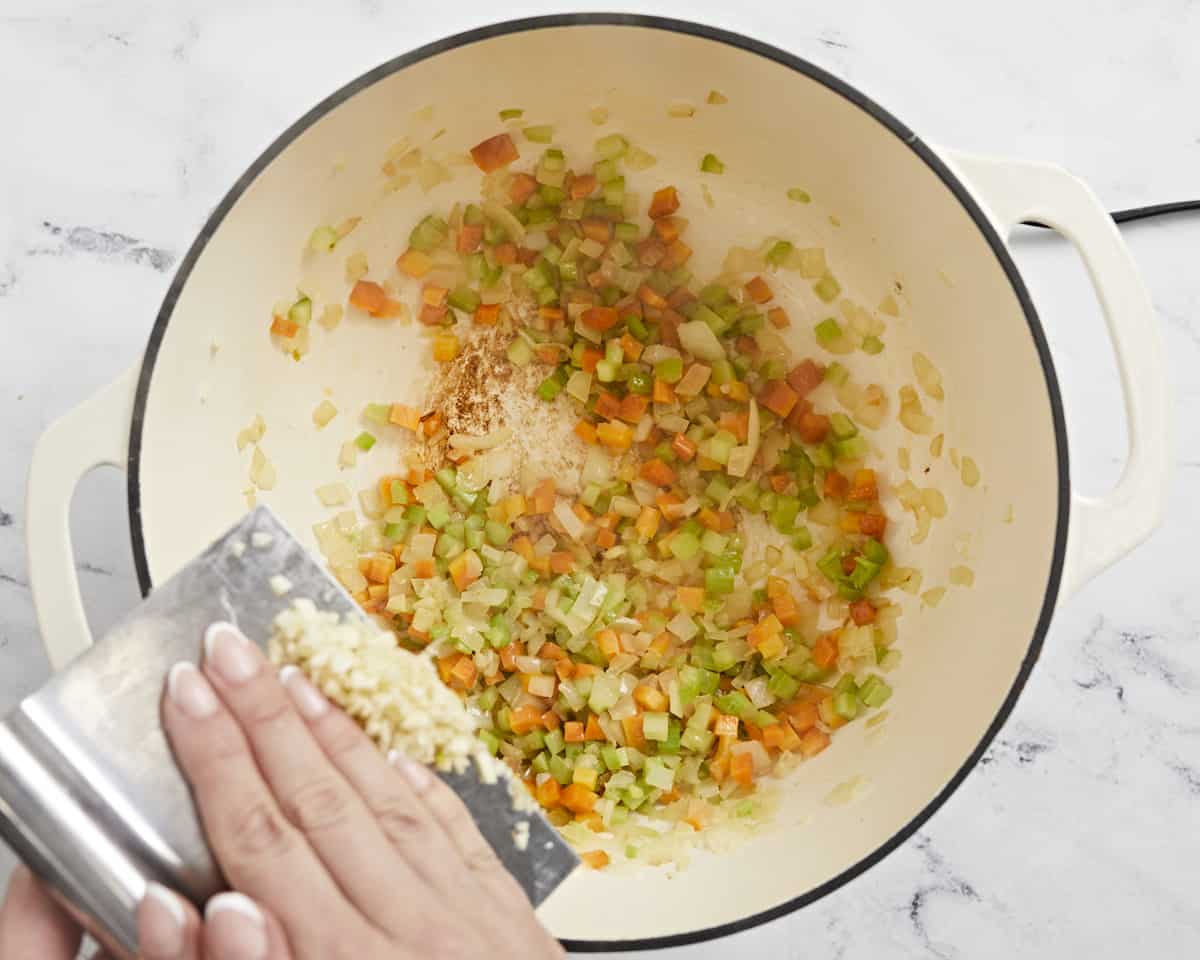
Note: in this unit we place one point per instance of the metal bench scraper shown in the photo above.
(90, 796)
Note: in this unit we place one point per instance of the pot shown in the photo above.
(894, 215)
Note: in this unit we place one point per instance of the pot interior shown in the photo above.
(889, 225)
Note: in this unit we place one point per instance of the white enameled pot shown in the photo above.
(893, 214)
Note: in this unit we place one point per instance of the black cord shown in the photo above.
(1143, 213)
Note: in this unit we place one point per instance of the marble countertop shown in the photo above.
(1079, 834)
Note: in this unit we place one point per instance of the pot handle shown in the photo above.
(1102, 529)
(96, 433)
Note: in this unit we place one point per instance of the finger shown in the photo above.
(258, 849)
(308, 788)
(237, 928)
(454, 818)
(168, 926)
(404, 819)
(32, 924)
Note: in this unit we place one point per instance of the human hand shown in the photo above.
(335, 852)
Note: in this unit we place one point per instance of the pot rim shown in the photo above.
(956, 186)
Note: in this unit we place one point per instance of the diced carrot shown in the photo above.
(678, 253)
(583, 185)
(368, 296)
(631, 346)
(813, 742)
(726, 725)
(779, 318)
(446, 347)
(741, 768)
(470, 236)
(806, 376)
(758, 291)
(650, 297)
(431, 424)
(683, 447)
(463, 673)
(748, 345)
(434, 295)
(650, 251)
(564, 669)
(282, 326)
(632, 728)
(736, 423)
(825, 650)
(592, 731)
(586, 431)
(786, 610)
(561, 562)
(616, 436)
(679, 296)
(523, 547)
(664, 203)
(709, 519)
(550, 720)
(864, 487)
(779, 481)
(769, 626)
(690, 599)
(605, 539)
(647, 523)
(550, 316)
(582, 512)
(573, 731)
(663, 391)
(549, 793)
(595, 859)
(494, 152)
(423, 569)
(594, 228)
(600, 318)
(773, 735)
(836, 484)
(465, 569)
(380, 567)
(608, 405)
(802, 716)
(813, 427)
(541, 498)
(778, 397)
(487, 314)
(657, 472)
(608, 642)
(650, 698)
(593, 821)
(862, 612)
(414, 263)
(577, 798)
(505, 253)
(872, 524)
(521, 188)
(586, 669)
(591, 357)
(668, 229)
(432, 316)
(404, 416)
(548, 353)
(633, 407)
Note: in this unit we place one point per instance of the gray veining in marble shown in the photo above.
(1079, 834)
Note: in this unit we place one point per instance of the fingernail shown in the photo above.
(187, 687)
(417, 774)
(162, 927)
(235, 928)
(305, 697)
(234, 657)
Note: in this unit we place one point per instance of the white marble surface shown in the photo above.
(126, 120)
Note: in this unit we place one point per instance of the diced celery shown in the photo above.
(872, 345)
(779, 252)
(323, 239)
(658, 775)
(852, 448)
(784, 513)
(554, 741)
(626, 232)
(670, 746)
(846, 705)
(710, 164)
(395, 531)
(827, 288)
(874, 692)
(511, 114)
(428, 233)
(843, 427)
(463, 298)
(827, 330)
(669, 370)
(542, 133)
(718, 581)
(684, 545)
(490, 741)
(560, 770)
(656, 726)
(735, 703)
(875, 551)
(798, 195)
(783, 686)
(836, 374)
(364, 441)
